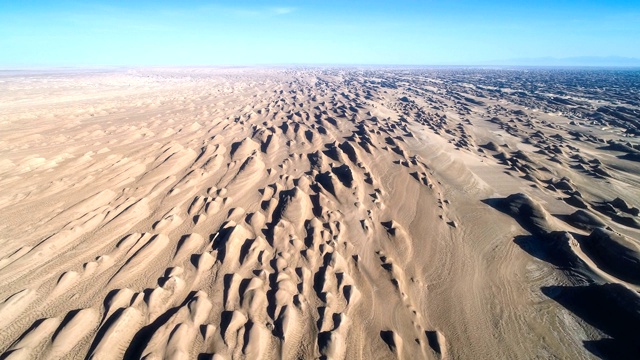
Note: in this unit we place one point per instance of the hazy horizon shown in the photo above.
(198, 33)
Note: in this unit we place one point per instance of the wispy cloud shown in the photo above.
(248, 12)
(283, 10)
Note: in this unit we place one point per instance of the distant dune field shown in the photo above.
(319, 213)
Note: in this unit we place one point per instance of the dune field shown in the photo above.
(303, 213)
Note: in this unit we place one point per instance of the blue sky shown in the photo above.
(428, 32)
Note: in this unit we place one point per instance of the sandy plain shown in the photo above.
(319, 213)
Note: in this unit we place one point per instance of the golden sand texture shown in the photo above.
(316, 213)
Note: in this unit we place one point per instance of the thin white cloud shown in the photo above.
(217, 9)
(283, 10)
(248, 12)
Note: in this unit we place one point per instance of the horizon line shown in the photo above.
(316, 65)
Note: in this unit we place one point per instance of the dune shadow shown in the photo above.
(387, 337)
(143, 336)
(610, 308)
(534, 247)
(549, 246)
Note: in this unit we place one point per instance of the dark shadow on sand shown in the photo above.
(611, 308)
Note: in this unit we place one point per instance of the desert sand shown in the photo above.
(319, 213)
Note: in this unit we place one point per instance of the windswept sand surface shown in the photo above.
(339, 214)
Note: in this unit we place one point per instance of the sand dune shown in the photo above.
(318, 213)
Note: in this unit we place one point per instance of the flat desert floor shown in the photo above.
(319, 213)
